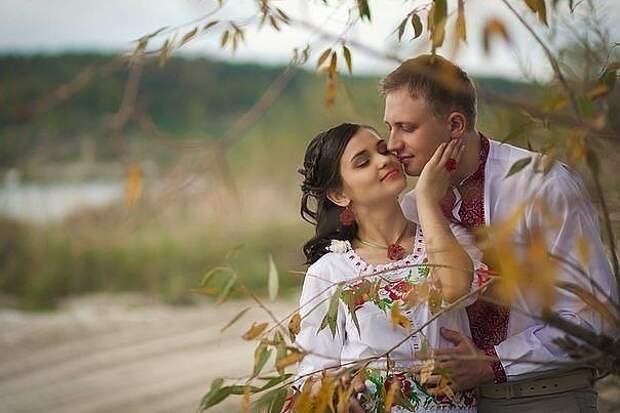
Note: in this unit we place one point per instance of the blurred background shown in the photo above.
(123, 182)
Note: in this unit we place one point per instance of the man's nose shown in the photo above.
(393, 144)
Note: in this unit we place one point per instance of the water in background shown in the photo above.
(54, 201)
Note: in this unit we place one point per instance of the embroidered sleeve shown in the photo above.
(498, 370)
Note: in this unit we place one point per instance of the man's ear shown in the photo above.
(457, 124)
(338, 198)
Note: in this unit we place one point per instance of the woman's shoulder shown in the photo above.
(334, 264)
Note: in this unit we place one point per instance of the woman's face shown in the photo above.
(370, 174)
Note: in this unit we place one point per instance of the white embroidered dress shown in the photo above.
(377, 334)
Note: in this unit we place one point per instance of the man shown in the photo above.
(429, 100)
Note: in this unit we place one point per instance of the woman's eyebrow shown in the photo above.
(362, 152)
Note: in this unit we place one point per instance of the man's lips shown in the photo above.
(404, 158)
(390, 174)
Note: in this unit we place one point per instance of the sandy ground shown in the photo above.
(102, 354)
(121, 354)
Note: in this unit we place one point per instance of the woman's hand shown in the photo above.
(434, 180)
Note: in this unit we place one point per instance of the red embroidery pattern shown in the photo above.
(488, 323)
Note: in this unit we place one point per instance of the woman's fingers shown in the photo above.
(435, 159)
(450, 152)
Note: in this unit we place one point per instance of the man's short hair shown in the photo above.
(445, 86)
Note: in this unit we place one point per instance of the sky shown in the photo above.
(50, 26)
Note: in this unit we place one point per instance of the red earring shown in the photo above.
(347, 217)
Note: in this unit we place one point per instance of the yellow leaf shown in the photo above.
(330, 94)
(390, 395)
(576, 150)
(303, 401)
(324, 398)
(494, 27)
(294, 325)
(323, 57)
(583, 250)
(398, 319)
(133, 185)
(347, 57)
(461, 31)
(599, 91)
(444, 387)
(254, 331)
(332, 65)
(428, 367)
(344, 399)
(245, 401)
(294, 357)
(205, 290)
(544, 268)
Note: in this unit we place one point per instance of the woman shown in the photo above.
(390, 279)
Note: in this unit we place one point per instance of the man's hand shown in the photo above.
(464, 374)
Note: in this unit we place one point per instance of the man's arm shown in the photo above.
(566, 201)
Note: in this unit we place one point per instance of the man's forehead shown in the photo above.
(400, 106)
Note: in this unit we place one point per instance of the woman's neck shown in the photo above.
(382, 224)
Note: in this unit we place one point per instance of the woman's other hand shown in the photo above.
(435, 178)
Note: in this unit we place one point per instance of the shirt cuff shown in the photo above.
(498, 370)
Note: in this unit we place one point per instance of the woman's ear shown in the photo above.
(338, 198)
(457, 124)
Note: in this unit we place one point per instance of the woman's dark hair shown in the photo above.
(321, 173)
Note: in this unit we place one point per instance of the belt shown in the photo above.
(576, 379)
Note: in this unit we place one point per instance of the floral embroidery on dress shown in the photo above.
(411, 396)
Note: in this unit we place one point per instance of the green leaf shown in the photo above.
(270, 401)
(417, 25)
(235, 318)
(331, 317)
(278, 400)
(224, 38)
(188, 36)
(215, 395)
(364, 9)
(280, 350)
(272, 279)
(347, 57)
(273, 381)
(207, 277)
(401, 29)
(226, 290)
(518, 166)
(210, 24)
(261, 355)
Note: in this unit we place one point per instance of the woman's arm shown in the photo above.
(455, 269)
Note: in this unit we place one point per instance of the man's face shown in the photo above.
(414, 131)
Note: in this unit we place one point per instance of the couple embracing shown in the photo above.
(409, 273)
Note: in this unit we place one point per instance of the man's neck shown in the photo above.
(470, 159)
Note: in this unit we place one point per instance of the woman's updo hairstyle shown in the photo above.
(321, 172)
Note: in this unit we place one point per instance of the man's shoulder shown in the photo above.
(537, 177)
